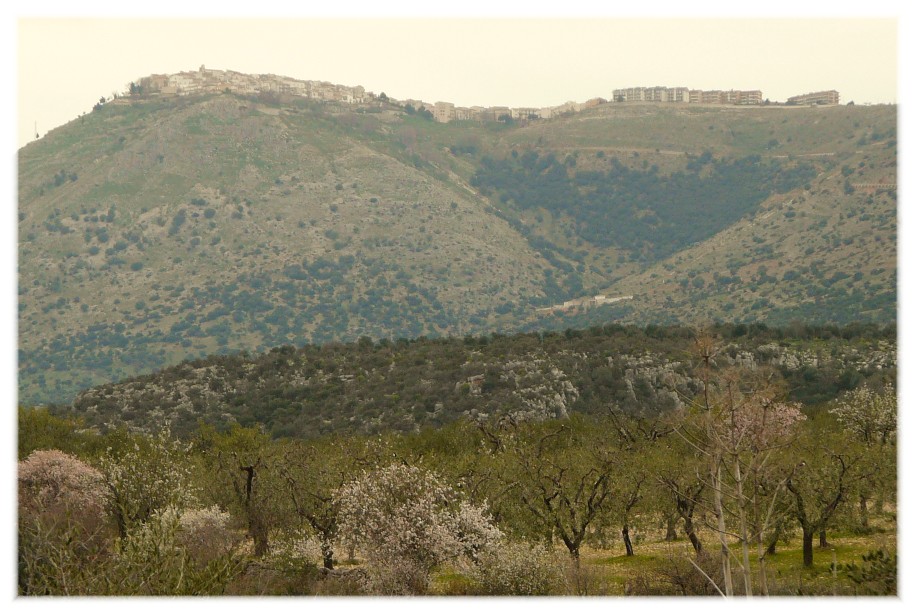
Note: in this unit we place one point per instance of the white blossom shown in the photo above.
(871, 416)
(406, 522)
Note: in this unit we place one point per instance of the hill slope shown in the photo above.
(155, 231)
(406, 385)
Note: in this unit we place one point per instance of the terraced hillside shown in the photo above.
(153, 231)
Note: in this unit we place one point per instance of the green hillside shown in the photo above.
(370, 388)
(153, 231)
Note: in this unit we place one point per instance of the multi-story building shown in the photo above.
(825, 97)
(524, 113)
(651, 94)
(686, 95)
(444, 112)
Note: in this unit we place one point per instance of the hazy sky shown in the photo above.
(65, 65)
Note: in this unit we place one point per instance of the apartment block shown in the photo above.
(824, 97)
(444, 112)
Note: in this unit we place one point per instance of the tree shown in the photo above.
(678, 475)
(563, 479)
(737, 424)
(406, 521)
(643, 447)
(152, 476)
(243, 465)
(829, 469)
(313, 472)
(39, 429)
(871, 417)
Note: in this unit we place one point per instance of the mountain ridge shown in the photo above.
(156, 231)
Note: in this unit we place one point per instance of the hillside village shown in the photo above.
(207, 80)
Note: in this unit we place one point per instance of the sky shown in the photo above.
(65, 64)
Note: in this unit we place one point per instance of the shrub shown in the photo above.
(151, 561)
(518, 569)
(63, 528)
(205, 533)
(676, 576)
(51, 479)
(876, 575)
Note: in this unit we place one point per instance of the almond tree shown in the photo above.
(152, 476)
(406, 522)
(737, 424)
(313, 472)
(872, 418)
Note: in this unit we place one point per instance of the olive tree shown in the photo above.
(563, 477)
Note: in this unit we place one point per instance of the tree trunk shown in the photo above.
(823, 542)
(807, 547)
(671, 529)
(257, 528)
(327, 553)
(864, 512)
(690, 532)
(722, 531)
(629, 551)
(260, 533)
(773, 543)
(743, 530)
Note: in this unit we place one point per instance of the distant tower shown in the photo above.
(36, 130)
(202, 68)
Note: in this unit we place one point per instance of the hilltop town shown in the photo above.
(207, 80)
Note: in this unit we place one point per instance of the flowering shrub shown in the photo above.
(50, 479)
(63, 529)
(763, 424)
(403, 520)
(295, 550)
(871, 416)
(148, 478)
(205, 533)
(151, 560)
(518, 569)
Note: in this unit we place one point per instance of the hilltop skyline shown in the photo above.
(485, 62)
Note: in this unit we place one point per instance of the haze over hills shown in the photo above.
(155, 230)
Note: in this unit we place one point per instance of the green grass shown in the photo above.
(608, 573)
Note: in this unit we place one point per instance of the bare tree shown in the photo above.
(737, 425)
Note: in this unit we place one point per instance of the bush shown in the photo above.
(518, 569)
(205, 533)
(151, 561)
(877, 575)
(676, 576)
(50, 479)
(63, 527)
